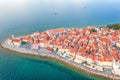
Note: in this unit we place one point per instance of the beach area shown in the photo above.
(52, 55)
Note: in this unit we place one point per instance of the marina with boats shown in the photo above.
(95, 50)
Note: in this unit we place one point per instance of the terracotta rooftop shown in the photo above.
(99, 45)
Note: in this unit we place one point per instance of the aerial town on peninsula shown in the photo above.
(95, 48)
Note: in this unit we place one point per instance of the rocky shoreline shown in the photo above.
(48, 54)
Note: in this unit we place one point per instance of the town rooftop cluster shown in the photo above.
(92, 44)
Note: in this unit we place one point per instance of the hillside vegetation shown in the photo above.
(114, 26)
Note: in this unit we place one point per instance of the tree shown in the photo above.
(114, 26)
(93, 30)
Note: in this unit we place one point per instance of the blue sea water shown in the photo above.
(26, 16)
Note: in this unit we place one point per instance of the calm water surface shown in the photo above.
(26, 16)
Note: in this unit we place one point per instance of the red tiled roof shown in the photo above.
(87, 43)
(16, 40)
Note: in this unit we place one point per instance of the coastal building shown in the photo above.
(71, 55)
(60, 51)
(106, 64)
(116, 68)
(9, 41)
(118, 44)
(35, 46)
(89, 60)
(27, 38)
(36, 34)
(16, 42)
(42, 43)
(78, 58)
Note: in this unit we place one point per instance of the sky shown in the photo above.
(19, 9)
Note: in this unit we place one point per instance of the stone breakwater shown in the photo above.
(45, 53)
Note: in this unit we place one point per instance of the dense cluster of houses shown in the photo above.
(96, 47)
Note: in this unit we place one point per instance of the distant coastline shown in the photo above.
(113, 26)
(47, 53)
